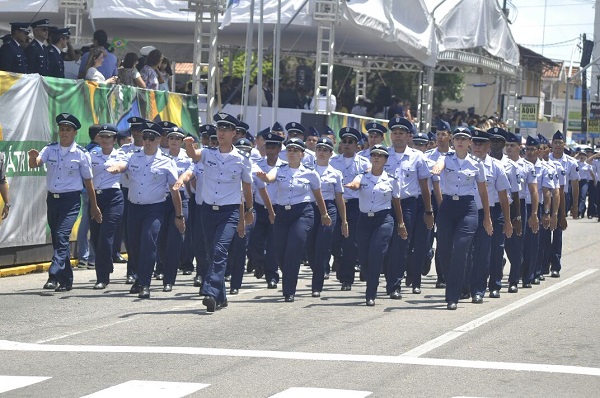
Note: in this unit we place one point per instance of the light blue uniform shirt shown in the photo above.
(100, 162)
(223, 176)
(128, 148)
(460, 177)
(585, 171)
(434, 154)
(308, 159)
(197, 168)
(331, 181)
(543, 179)
(272, 187)
(65, 172)
(569, 164)
(514, 175)
(295, 185)
(182, 163)
(560, 176)
(149, 178)
(408, 167)
(527, 175)
(495, 180)
(376, 192)
(350, 168)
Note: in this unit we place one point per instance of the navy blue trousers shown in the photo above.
(236, 260)
(219, 227)
(583, 193)
(143, 224)
(457, 223)
(555, 252)
(110, 202)
(318, 246)
(345, 272)
(497, 248)
(187, 254)
(199, 243)
(62, 213)
(170, 240)
(545, 247)
(530, 249)
(419, 245)
(396, 260)
(514, 247)
(374, 235)
(260, 244)
(290, 233)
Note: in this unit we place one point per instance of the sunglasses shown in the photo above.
(148, 137)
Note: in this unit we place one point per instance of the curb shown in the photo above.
(32, 268)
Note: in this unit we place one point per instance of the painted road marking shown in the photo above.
(9, 383)
(303, 392)
(467, 327)
(149, 389)
(6, 345)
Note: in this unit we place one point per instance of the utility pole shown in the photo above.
(586, 55)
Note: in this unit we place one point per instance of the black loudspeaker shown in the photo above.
(318, 121)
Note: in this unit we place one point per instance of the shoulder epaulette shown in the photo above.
(82, 148)
(52, 143)
(137, 151)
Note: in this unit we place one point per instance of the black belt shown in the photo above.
(107, 190)
(63, 194)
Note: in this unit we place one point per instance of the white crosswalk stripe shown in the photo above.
(9, 383)
(149, 389)
(303, 392)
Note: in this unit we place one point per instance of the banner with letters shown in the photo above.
(28, 107)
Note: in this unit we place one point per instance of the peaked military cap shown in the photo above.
(67, 118)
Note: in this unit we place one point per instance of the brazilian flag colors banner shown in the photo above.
(28, 107)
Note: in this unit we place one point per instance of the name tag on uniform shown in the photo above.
(455, 197)
(371, 214)
(288, 207)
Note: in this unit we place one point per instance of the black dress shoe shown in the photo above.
(119, 259)
(289, 298)
(135, 288)
(536, 281)
(168, 288)
(370, 303)
(346, 287)
(63, 288)
(416, 290)
(316, 294)
(233, 291)
(100, 286)
(494, 294)
(130, 280)
(210, 303)
(51, 284)
(451, 306)
(407, 281)
(513, 289)
(227, 278)
(197, 281)
(555, 274)
(144, 292)
(259, 273)
(526, 285)
(326, 277)
(426, 267)
(440, 285)
(477, 299)
(272, 284)
(542, 278)
(465, 296)
(187, 272)
(160, 277)
(396, 295)
(224, 304)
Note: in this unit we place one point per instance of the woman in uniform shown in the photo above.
(319, 243)
(297, 187)
(110, 201)
(461, 176)
(377, 193)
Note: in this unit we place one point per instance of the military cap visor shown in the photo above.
(379, 150)
(325, 142)
(225, 119)
(67, 118)
(153, 128)
(176, 132)
(296, 143)
(462, 132)
(108, 129)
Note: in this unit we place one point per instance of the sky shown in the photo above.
(552, 27)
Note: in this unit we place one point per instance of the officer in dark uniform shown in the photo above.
(12, 55)
(226, 177)
(69, 169)
(149, 172)
(59, 39)
(110, 202)
(36, 52)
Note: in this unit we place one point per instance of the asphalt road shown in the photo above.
(541, 342)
